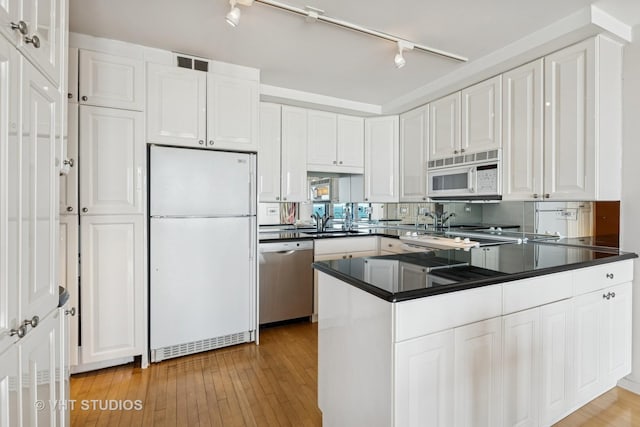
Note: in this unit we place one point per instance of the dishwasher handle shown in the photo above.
(283, 247)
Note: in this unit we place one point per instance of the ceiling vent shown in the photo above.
(192, 63)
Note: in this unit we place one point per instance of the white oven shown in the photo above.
(480, 181)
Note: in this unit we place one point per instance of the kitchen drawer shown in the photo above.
(523, 294)
(423, 316)
(388, 244)
(342, 245)
(599, 277)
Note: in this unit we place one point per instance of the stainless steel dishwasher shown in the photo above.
(286, 280)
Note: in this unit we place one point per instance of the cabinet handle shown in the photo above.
(344, 257)
(536, 195)
(211, 142)
(609, 275)
(277, 197)
(85, 210)
(334, 162)
(68, 162)
(71, 312)
(613, 294)
(21, 26)
(34, 322)
(284, 198)
(340, 162)
(424, 198)
(350, 256)
(201, 142)
(366, 199)
(20, 332)
(462, 150)
(390, 245)
(455, 151)
(84, 98)
(606, 296)
(34, 40)
(69, 95)
(69, 208)
(547, 195)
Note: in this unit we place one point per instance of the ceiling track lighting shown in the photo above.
(233, 17)
(312, 15)
(399, 58)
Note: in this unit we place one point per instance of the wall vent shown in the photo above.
(170, 352)
(192, 63)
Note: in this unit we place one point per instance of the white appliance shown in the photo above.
(462, 179)
(202, 249)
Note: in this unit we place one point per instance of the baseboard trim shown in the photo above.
(86, 367)
(628, 384)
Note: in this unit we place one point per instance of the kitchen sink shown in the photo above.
(334, 233)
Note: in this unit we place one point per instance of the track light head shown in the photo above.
(233, 17)
(399, 58)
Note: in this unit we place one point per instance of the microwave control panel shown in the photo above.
(487, 179)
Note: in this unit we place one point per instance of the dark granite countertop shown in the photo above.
(417, 275)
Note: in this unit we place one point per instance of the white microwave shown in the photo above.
(481, 181)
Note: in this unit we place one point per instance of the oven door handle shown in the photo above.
(471, 178)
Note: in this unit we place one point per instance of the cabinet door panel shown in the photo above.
(413, 155)
(322, 138)
(521, 368)
(113, 161)
(294, 155)
(111, 81)
(589, 316)
(482, 116)
(232, 113)
(556, 391)
(424, 381)
(9, 387)
(112, 282)
(9, 192)
(176, 106)
(569, 120)
(39, 181)
(44, 20)
(381, 159)
(444, 121)
(522, 169)
(72, 87)
(269, 153)
(10, 12)
(617, 344)
(39, 357)
(69, 182)
(351, 143)
(478, 374)
(68, 275)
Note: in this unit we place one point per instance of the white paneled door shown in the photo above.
(294, 186)
(69, 182)
(113, 168)
(381, 150)
(444, 127)
(414, 128)
(269, 153)
(481, 118)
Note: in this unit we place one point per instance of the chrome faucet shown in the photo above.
(321, 221)
(445, 217)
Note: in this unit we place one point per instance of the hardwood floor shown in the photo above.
(273, 384)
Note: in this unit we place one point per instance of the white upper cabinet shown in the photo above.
(269, 153)
(381, 151)
(110, 81)
(444, 122)
(414, 143)
(176, 106)
(10, 18)
(42, 41)
(482, 116)
(112, 149)
(522, 161)
(322, 140)
(335, 143)
(293, 184)
(583, 121)
(198, 109)
(232, 113)
(69, 182)
(350, 144)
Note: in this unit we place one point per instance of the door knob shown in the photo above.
(69, 95)
(34, 40)
(211, 142)
(201, 142)
(71, 312)
(21, 26)
(85, 210)
(84, 98)
(20, 332)
(68, 162)
(34, 322)
(69, 208)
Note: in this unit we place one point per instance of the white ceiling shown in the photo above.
(325, 59)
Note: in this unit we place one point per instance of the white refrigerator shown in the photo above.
(202, 250)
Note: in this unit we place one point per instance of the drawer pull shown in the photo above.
(609, 295)
(609, 275)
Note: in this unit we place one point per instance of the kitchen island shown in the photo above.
(455, 338)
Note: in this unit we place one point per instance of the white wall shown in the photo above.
(630, 202)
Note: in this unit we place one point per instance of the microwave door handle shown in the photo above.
(471, 180)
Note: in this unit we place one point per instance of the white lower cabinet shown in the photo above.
(10, 395)
(424, 392)
(112, 287)
(478, 374)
